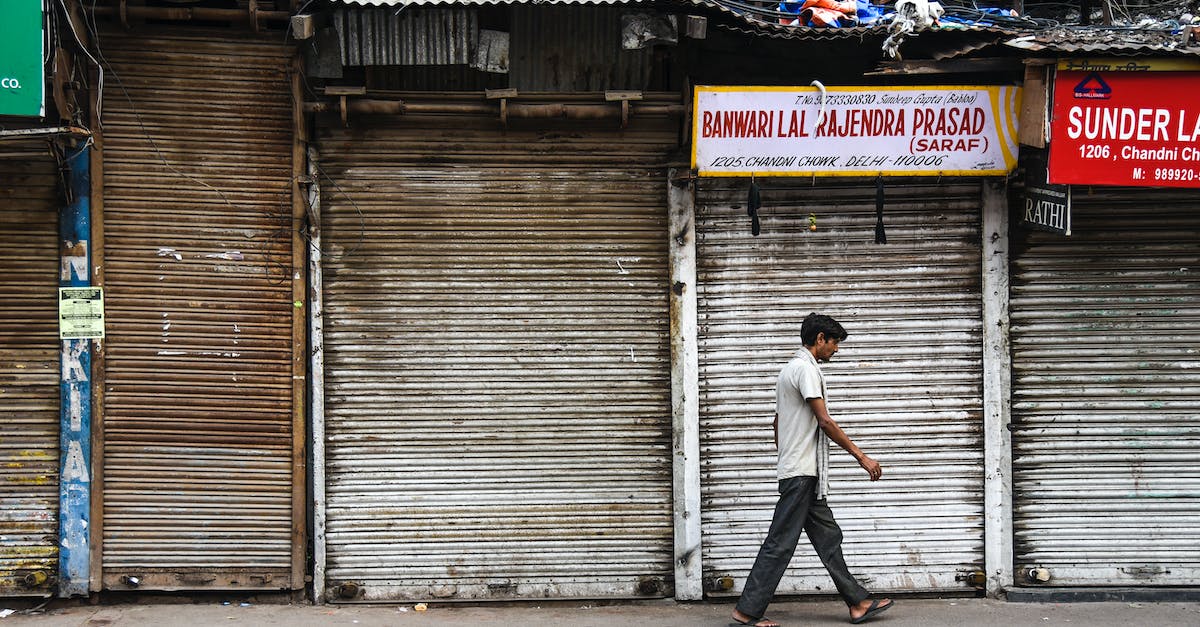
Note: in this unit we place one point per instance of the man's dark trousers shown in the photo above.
(798, 509)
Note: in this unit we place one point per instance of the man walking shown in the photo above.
(803, 429)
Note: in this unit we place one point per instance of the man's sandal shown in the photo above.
(754, 622)
(875, 608)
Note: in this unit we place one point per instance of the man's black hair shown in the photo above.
(815, 324)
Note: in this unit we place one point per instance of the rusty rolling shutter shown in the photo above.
(497, 363)
(907, 385)
(29, 392)
(200, 449)
(1106, 392)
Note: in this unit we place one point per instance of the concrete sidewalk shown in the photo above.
(908, 612)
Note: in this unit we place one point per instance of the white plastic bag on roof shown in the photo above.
(911, 16)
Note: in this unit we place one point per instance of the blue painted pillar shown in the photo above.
(75, 456)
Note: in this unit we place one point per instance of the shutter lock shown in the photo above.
(1037, 575)
(348, 590)
(975, 578)
(35, 579)
(650, 586)
(721, 584)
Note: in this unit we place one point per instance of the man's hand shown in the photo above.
(872, 467)
(839, 437)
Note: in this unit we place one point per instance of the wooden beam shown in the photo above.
(1034, 106)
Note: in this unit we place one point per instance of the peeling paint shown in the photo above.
(33, 480)
(72, 367)
(228, 269)
(74, 261)
(170, 252)
(75, 409)
(73, 268)
(233, 255)
(75, 468)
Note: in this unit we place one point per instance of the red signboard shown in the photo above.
(1126, 128)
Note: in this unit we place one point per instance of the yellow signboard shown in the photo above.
(1129, 65)
(965, 130)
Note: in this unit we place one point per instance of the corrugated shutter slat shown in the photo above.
(199, 446)
(1106, 373)
(29, 380)
(497, 368)
(906, 386)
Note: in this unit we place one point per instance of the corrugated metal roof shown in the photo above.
(396, 3)
(555, 48)
(379, 36)
(1110, 41)
(750, 24)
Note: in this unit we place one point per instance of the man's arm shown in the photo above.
(839, 437)
(775, 427)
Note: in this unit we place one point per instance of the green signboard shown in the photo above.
(21, 82)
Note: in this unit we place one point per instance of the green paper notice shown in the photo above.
(81, 313)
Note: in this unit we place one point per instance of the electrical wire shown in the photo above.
(274, 235)
(138, 116)
(362, 220)
(984, 18)
(83, 48)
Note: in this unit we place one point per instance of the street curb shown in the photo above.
(1097, 595)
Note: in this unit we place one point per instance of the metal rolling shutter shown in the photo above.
(497, 364)
(907, 385)
(1106, 392)
(202, 479)
(29, 390)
